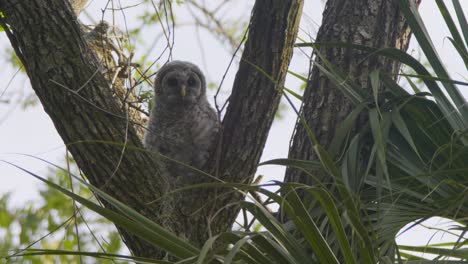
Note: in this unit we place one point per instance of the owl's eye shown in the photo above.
(172, 82)
(191, 81)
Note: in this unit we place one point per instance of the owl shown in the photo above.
(182, 124)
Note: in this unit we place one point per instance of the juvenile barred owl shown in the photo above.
(182, 124)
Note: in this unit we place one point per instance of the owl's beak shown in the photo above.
(183, 91)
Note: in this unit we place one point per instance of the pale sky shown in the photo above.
(31, 132)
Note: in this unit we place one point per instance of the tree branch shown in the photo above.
(66, 76)
(252, 105)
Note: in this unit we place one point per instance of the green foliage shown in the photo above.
(14, 60)
(405, 165)
(1, 17)
(415, 166)
(50, 223)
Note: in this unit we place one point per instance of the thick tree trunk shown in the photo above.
(66, 77)
(103, 139)
(374, 23)
(252, 105)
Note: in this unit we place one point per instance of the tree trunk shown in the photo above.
(252, 105)
(103, 138)
(374, 23)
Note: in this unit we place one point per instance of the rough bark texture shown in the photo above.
(47, 38)
(252, 106)
(374, 23)
(65, 75)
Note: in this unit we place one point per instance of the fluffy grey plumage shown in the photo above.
(182, 125)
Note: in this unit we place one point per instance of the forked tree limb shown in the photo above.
(66, 76)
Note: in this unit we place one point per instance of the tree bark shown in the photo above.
(252, 106)
(374, 23)
(103, 139)
(67, 78)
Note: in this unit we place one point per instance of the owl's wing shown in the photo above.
(204, 132)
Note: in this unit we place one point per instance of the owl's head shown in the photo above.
(179, 83)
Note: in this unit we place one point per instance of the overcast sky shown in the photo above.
(31, 132)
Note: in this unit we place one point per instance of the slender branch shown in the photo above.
(218, 28)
